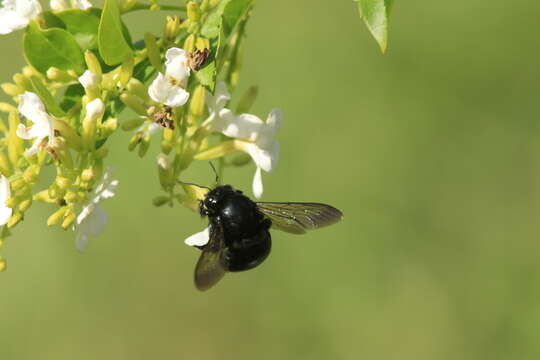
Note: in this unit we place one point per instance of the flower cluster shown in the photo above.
(66, 109)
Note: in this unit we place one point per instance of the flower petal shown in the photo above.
(58, 5)
(257, 184)
(27, 9)
(199, 239)
(245, 126)
(163, 92)
(32, 107)
(5, 214)
(89, 80)
(219, 100)
(266, 159)
(5, 193)
(11, 21)
(177, 64)
(94, 222)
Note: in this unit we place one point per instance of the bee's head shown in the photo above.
(210, 204)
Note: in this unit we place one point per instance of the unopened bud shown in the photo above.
(101, 153)
(90, 81)
(126, 5)
(3, 264)
(87, 174)
(172, 28)
(56, 74)
(109, 126)
(137, 88)
(160, 200)
(92, 62)
(126, 71)
(12, 89)
(153, 51)
(57, 216)
(31, 174)
(69, 220)
(189, 43)
(18, 184)
(143, 147)
(14, 219)
(7, 108)
(71, 197)
(132, 124)
(193, 11)
(22, 81)
(25, 205)
(135, 103)
(11, 202)
(197, 104)
(43, 196)
(134, 141)
(94, 112)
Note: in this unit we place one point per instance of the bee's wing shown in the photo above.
(209, 269)
(298, 217)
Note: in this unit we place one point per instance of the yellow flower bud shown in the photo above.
(189, 43)
(7, 108)
(134, 141)
(132, 124)
(153, 51)
(12, 89)
(137, 88)
(135, 103)
(69, 220)
(144, 145)
(25, 205)
(3, 264)
(172, 28)
(109, 126)
(197, 104)
(92, 62)
(12, 202)
(193, 11)
(126, 71)
(31, 174)
(5, 166)
(14, 219)
(44, 196)
(101, 153)
(71, 197)
(56, 74)
(57, 216)
(22, 81)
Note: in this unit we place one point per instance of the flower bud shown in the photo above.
(5, 166)
(126, 5)
(160, 200)
(71, 197)
(126, 71)
(144, 145)
(31, 174)
(7, 108)
(12, 89)
(92, 62)
(87, 174)
(22, 81)
(12, 202)
(18, 184)
(69, 219)
(153, 51)
(29, 71)
(90, 81)
(56, 74)
(197, 104)
(134, 141)
(193, 11)
(132, 124)
(135, 103)
(94, 112)
(165, 171)
(137, 88)
(109, 126)
(14, 219)
(3, 264)
(25, 205)
(43, 196)
(172, 28)
(189, 43)
(57, 216)
(101, 153)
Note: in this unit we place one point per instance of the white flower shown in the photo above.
(33, 109)
(163, 161)
(218, 115)
(5, 193)
(199, 239)
(168, 88)
(94, 110)
(60, 5)
(16, 14)
(89, 81)
(92, 219)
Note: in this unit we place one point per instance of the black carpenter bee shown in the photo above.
(239, 237)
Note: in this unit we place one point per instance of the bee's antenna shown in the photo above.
(215, 172)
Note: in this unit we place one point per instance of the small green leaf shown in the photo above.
(207, 75)
(112, 42)
(72, 96)
(48, 99)
(375, 14)
(212, 26)
(52, 47)
(83, 25)
(234, 11)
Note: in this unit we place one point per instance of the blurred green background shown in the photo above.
(432, 151)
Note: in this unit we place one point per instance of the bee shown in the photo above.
(239, 230)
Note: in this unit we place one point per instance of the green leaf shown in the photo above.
(83, 25)
(207, 75)
(112, 42)
(375, 14)
(212, 26)
(234, 11)
(48, 99)
(72, 96)
(52, 47)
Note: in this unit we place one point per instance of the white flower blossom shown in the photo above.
(16, 14)
(257, 137)
(199, 239)
(168, 88)
(60, 5)
(89, 80)
(5, 193)
(92, 219)
(33, 109)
